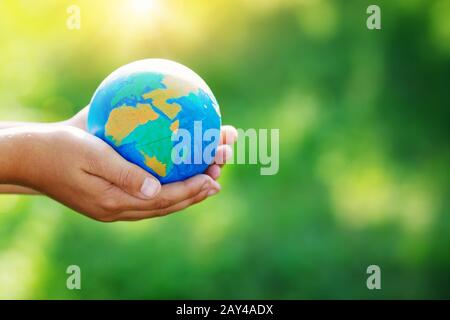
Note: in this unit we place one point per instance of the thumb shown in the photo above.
(128, 176)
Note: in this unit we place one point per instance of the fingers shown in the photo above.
(214, 171)
(173, 193)
(132, 179)
(223, 154)
(173, 197)
(170, 194)
(140, 215)
(228, 135)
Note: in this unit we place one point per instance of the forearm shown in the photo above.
(79, 121)
(14, 156)
(11, 146)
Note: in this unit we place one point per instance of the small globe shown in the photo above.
(142, 106)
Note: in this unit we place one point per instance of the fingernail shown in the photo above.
(212, 192)
(149, 187)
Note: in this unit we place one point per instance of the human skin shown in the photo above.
(64, 162)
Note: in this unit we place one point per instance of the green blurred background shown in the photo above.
(364, 149)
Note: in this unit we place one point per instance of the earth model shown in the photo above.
(157, 114)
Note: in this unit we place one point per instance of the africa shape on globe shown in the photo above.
(139, 106)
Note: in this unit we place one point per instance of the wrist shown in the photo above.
(10, 156)
(19, 154)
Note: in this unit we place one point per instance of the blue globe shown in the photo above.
(145, 109)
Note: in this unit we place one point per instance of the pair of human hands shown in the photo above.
(68, 164)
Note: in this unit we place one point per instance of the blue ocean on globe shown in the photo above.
(140, 107)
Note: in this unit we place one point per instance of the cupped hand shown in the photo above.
(228, 136)
(86, 174)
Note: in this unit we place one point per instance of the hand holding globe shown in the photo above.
(86, 173)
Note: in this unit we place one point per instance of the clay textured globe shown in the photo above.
(142, 106)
